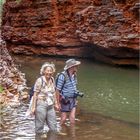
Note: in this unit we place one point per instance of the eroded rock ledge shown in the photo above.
(12, 81)
(106, 30)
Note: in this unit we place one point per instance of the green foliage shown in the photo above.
(1, 5)
(1, 89)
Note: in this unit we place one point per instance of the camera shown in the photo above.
(65, 100)
(78, 93)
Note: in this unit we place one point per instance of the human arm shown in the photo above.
(34, 100)
(59, 86)
(57, 93)
(56, 102)
(37, 90)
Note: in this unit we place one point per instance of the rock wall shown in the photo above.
(106, 30)
(12, 81)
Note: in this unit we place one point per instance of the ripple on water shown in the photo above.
(87, 127)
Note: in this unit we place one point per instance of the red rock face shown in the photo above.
(106, 30)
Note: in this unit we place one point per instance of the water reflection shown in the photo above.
(105, 85)
(16, 125)
(88, 126)
(108, 91)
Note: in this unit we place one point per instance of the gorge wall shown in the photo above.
(13, 88)
(106, 30)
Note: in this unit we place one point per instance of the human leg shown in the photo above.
(51, 119)
(72, 115)
(63, 118)
(40, 116)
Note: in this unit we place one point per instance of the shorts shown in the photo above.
(68, 105)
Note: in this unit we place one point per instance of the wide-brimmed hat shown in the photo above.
(71, 63)
(47, 65)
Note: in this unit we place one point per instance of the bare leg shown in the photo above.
(72, 115)
(72, 131)
(63, 118)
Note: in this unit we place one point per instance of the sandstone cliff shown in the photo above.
(106, 30)
(12, 81)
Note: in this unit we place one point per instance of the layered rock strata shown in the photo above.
(12, 81)
(106, 30)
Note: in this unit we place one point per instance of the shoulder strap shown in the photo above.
(41, 83)
(62, 73)
(32, 89)
(52, 79)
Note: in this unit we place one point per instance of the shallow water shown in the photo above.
(109, 109)
(88, 126)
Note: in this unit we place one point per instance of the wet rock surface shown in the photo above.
(106, 30)
(12, 83)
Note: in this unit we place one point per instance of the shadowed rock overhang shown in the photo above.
(106, 30)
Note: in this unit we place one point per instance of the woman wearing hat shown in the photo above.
(66, 88)
(44, 99)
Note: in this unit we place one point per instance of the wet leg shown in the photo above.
(63, 118)
(72, 115)
(51, 119)
(40, 117)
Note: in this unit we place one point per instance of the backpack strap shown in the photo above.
(32, 89)
(66, 76)
(62, 73)
(52, 80)
(41, 83)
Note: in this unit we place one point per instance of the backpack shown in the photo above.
(65, 78)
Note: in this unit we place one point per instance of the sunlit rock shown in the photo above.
(12, 81)
(24, 95)
(10, 95)
(106, 30)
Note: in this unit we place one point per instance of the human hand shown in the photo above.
(57, 106)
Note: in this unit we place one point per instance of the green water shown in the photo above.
(109, 91)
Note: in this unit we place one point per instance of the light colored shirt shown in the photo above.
(43, 88)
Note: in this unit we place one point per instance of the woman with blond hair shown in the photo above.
(44, 99)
